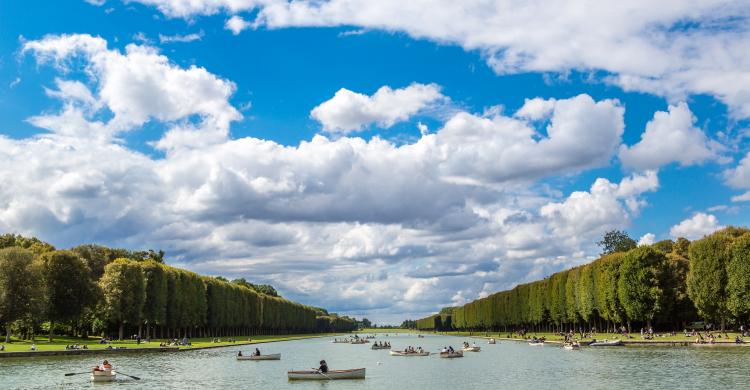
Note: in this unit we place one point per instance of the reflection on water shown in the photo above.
(504, 365)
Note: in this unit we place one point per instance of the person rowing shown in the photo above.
(239, 353)
(105, 366)
(257, 352)
(323, 366)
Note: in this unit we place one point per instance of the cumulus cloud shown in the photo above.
(669, 137)
(672, 49)
(349, 111)
(695, 227)
(394, 227)
(647, 239)
(742, 197)
(181, 38)
(236, 24)
(137, 86)
(739, 176)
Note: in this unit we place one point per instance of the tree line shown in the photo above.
(92, 289)
(668, 285)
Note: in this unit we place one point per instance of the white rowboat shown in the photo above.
(404, 353)
(492, 341)
(103, 375)
(357, 373)
(380, 347)
(572, 347)
(275, 356)
(536, 343)
(449, 355)
(606, 343)
(471, 349)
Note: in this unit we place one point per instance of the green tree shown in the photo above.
(20, 286)
(616, 241)
(95, 256)
(67, 287)
(707, 279)
(155, 305)
(639, 287)
(738, 278)
(123, 286)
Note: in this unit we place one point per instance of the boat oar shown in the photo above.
(77, 373)
(129, 376)
(321, 373)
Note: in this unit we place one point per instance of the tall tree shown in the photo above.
(738, 278)
(155, 305)
(616, 241)
(123, 286)
(639, 287)
(707, 279)
(20, 286)
(67, 287)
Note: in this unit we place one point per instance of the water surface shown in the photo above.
(512, 365)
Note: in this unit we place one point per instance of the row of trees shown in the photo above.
(668, 285)
(102, 290)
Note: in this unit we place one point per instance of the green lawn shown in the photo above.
(377, 330)
(679, 337)
(59, 343)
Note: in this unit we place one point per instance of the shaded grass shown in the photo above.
(59, 343)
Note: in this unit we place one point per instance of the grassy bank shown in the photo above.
(92, 343)
(378, 330)
(678, 338)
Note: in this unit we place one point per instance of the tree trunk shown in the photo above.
(121, 331)
(51, 330)
(7, 332)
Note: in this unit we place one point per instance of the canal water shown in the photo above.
(509, 365)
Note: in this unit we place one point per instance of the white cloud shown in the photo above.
(672, 48)
(695, 227)
(742, 197)
(647, 239)
(349, 111)
(236, 24)
(585, 213)
(181, 38)
(376, 220)
(669, 136)
(138, 86)
(739, 177)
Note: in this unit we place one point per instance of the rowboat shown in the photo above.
(341, 341)
(492, 341)
(572, 347)
(605, 343)
(471, 349)
(449, 355)
(103, 375)
(274, 356)
(360, 341)
(357, 373)
(536, 343)
(404, 353)
(380, 347)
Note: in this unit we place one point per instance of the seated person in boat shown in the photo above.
(450, 349)
(444, 350)
(323, 366)
(239, 353)
(257, 352)
(105, 366)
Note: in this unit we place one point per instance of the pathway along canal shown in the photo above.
(510, 365)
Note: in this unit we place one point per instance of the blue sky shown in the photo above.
(359, 212)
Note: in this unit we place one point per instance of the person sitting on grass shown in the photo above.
(2, 348)
(33, 346)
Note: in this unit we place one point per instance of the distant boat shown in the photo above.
(605, 343)
(471, 349)
(451, 355)
(274, 356)
(492, 341)
(357, 373)
(536, 343)
(572, 346)
(404, 353)
(375, 346)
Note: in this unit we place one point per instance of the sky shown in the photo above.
(382, 159)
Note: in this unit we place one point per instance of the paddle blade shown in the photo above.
(129, 376)
(75, 373)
